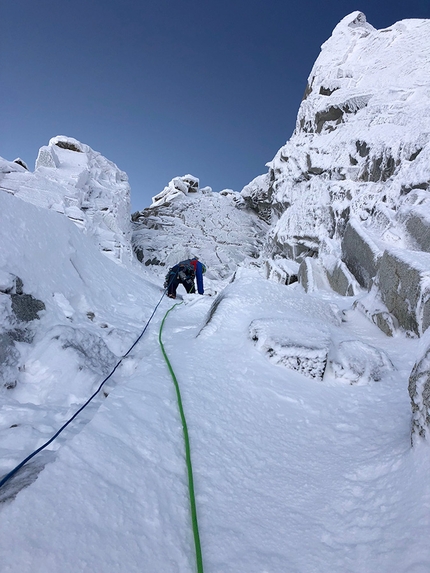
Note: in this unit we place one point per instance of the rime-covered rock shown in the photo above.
(185, 220)
(353, 180)
(360, 253)
(282, 270)
(304, 350)
(419, 392)
(73, 179)
(356, 362)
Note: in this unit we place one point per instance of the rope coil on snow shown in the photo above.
(199, 558)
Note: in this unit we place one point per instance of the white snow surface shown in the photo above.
(291, 474)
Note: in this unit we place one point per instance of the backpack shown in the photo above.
(186, 270)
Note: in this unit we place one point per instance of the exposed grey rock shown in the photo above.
(305, 275)
(21, 162)
(403, 282)
(379, 168)
(65, 144)
(327, 91)
(419, 392)
(360, 254)
(341, 280)
(307, 92)
(10, 333)
(331, 114)
(418, 227)
(362, 148)
(9, 357)
(25, 307)
(19, 286)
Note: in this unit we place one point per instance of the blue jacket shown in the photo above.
(199, 276)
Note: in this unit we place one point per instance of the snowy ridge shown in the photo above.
(73, 179)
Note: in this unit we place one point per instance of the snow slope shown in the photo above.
(291, 474)
(92, 313)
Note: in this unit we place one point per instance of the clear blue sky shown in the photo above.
(167, 87)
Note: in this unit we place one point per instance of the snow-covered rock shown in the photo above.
(419, 392)
(304, 350)
(73, 179)
(357, 362)
(185, 220)
(353, 180)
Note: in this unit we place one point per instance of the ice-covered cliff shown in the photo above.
(73, 179)
(348, 195)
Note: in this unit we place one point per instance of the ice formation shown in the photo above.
(185, 220)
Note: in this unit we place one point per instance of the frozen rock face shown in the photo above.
(185, 220)
(353, 181)
(419, 392)
(18, 310)
(73, 179)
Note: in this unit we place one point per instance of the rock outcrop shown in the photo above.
(419, 392)
(350, 189)
(18, 310)
(185, 220)
(73, 179)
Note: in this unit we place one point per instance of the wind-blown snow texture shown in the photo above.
(297, 404)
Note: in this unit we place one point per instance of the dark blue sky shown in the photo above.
(167, 87)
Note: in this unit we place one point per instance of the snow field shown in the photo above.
(302, 476)
(291, 474)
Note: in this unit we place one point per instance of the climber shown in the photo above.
(184, 273)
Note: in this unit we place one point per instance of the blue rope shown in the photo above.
(28, 458)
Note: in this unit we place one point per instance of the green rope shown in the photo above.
(187, 453)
